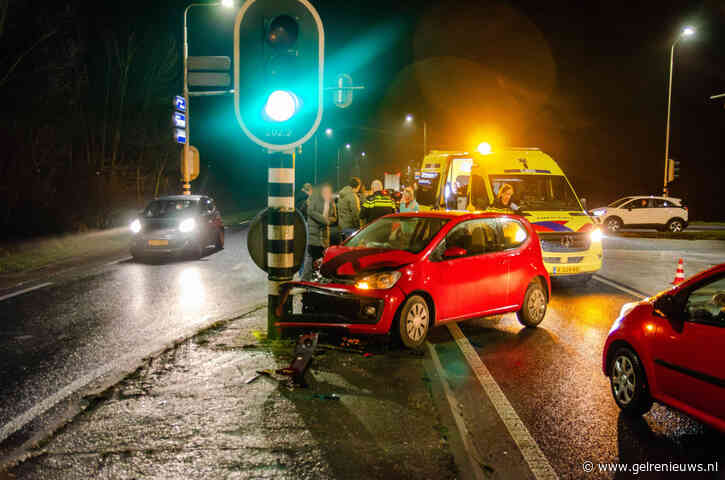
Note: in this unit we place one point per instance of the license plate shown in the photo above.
(296, 304)
(158, 243)
(565, 270)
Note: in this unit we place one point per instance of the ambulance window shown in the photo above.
(479, 196)
(427, 188)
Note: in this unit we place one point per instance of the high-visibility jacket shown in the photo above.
(375, 206)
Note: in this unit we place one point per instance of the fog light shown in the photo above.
(369, 310)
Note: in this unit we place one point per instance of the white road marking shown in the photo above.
(119, 260)
(25, 290)
(473, 455)
(238, 266)
(535, 458)
(620, 287)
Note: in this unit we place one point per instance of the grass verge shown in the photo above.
(32, 255)
(238, 217)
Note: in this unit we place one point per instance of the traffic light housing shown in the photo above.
(278, 73)
(673, 170)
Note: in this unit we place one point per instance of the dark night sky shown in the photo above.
(587, 84)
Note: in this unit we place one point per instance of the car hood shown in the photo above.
(341, 261)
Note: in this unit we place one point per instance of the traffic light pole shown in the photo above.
(280, 231)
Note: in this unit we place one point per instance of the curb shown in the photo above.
(107, 376)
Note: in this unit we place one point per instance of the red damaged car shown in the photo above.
(670, 349)
(405, 273)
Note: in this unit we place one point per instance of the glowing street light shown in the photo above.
(409, 120)
(363, 154)
(227, 3)
(328, 132)
(484, 148)
(686, 32)
(348, 146)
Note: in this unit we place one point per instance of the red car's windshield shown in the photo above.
(411, 234)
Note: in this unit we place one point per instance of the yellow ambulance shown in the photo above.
(571, 242)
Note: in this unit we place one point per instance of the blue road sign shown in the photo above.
(179, 120)
(180, 103)
(180, 135)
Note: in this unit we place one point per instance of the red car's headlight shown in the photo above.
(378, 281)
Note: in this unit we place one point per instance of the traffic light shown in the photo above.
(673, 170)
(278, 75)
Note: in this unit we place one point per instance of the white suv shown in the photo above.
(662, 213)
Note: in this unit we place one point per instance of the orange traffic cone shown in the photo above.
(680, 274)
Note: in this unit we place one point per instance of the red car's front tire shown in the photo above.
(629, 382)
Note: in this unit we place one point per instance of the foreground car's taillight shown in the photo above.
(378, 281)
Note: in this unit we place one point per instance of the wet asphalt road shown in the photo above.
(56, 335)
(553, 379)
(551, 375)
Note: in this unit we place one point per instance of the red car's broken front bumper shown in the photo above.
(338, 306)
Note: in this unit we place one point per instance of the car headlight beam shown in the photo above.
(187, 225)
(378, 281)
(135, 226)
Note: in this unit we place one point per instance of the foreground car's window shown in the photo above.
(476, 237)
(170, 208)
(538, 192)
(400, 233)
(707, 303)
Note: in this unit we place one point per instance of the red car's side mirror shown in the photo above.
(454, 252)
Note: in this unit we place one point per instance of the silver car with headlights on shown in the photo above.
(177, 225)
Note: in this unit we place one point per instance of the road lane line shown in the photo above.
(473, 456)
(26, 290)
(535, 458)
(622, 288)
(119, 260)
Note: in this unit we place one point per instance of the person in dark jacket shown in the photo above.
(376, 205)
(301, 197)
(504, 199)
(348, 207)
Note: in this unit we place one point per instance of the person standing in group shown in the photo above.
(349, 208)
(377, 204)
(301, 197)
(321, 213)
(408, 203)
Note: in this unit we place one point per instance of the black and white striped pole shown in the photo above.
(280, 230)
(279, 51)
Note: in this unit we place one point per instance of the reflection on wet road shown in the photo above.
(553, 379)
(51, 337)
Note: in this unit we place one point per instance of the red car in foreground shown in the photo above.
(405, 273)
(671, 349)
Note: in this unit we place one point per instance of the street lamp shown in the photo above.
(225, 4)
(328, 132)
(409, 120)
(686, 32)
(347, 145)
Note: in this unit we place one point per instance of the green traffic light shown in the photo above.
(281, 105)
